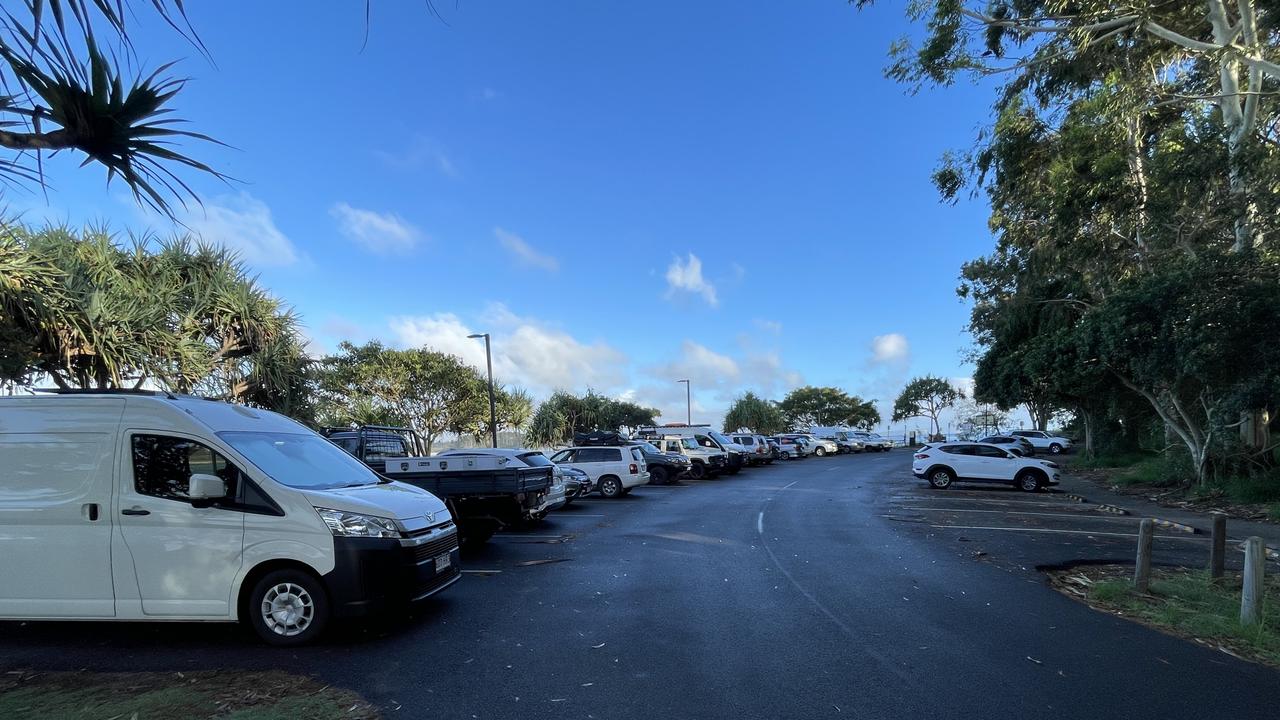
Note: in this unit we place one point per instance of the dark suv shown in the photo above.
(664, 467)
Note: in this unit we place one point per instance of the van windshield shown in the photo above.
(307, 462)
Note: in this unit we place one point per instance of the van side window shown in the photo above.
(163, 466)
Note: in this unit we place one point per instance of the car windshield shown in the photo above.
(303, 461)
(720, 438)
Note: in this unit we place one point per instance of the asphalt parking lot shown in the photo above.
(816, 588)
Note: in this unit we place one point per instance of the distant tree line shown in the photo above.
(801, 409)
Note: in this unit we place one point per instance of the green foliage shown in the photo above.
(1190, 604)
(88, 312)
(808, 406)
(755, 414)
(428, 391)
(563, 414)
(61, 62)
(926, 397)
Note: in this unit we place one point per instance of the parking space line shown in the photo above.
(760, 523)
(1024, 503)
(793, 482)
(1085, 516)
(1064, 532)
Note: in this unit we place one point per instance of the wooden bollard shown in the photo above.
(1218, 548)
(1255, 563)
(1142, 568)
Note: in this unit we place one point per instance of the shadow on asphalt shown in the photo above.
(56, 643)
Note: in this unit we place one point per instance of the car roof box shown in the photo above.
(599, 437)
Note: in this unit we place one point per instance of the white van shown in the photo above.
(150, 506)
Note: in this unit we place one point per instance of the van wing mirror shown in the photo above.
(206, 487)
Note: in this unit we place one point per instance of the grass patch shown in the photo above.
(1150, 472)
(1110, 460)
(226, 695)
(1273, 511)
(1185, 603)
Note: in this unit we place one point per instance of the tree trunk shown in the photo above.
(1089, 420)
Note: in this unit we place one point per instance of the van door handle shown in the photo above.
(91, 512)
(135, 511)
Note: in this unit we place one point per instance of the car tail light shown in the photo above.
(635, 468)
(921, 456)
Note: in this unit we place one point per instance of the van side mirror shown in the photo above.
(206, 487)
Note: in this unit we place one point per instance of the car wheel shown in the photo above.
(1028, 482)
(941, 478)
(786, 455)
(697, 471)
(820, 451)
(1054, 449)
(288, 607)
(610, 486)
(658, 476)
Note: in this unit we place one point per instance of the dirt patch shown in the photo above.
(233, 695)
(1177, 498)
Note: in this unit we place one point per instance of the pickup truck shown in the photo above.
(484, 493)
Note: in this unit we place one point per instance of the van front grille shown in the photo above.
(444, 544)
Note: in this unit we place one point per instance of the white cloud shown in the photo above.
(686, 276)
(421, 152)
(702, 366)
(769, 326)
(244, 224)
(379, 233)
(524, 252)
(891, 348)
(525, 352)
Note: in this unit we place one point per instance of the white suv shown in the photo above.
(944, 463)
(1042, 440)
(612, 469)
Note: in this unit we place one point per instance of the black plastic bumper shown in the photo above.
(372, 575)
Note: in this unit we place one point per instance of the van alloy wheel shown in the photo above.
(610, 487)
(287, 609)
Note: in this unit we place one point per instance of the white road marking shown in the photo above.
(1085, 516)
(1062, 532)
(760, 523)
(793, 482)
(1025, 503)
(482, 572)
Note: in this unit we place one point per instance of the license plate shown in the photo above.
(442, 563)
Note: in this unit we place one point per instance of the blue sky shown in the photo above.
(624, 194)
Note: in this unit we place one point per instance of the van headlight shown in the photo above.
(348, 524)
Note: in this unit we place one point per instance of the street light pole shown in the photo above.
(493, 408)
(688, 403)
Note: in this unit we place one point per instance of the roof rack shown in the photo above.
(106, 391)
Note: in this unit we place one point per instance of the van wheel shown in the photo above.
(697, 471)
(940, 478)
(610, 486)
(1029, 482)
(288, 607)
(820, 451)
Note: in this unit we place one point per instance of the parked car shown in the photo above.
(1013, 444)
(944, 463)
(842, 436)
(704, 462)
(576, 483)
(774, 451)
(483, 497)
(557, 495)
(873, 441)
(664, 467)
(817, 446)
(145, 506)
(735, 454)
(790, 447)
(757, 447)
(613, 470)
(1042, 440)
